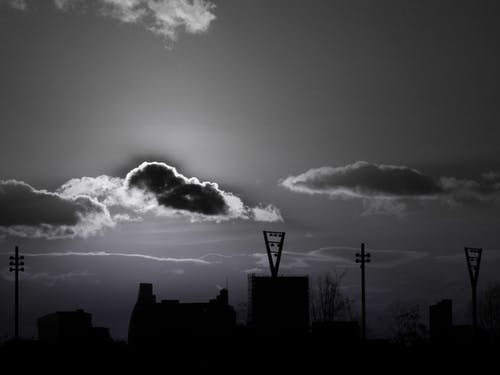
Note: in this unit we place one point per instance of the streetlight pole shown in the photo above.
(363, 258)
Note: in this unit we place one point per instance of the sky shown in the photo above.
(154, 140)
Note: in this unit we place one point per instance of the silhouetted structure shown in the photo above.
(337, 333)
(473, 257)
(153, 322)
(363, 258)
(441, 322)
(278, 304)
(274, 246)
(71, 327)
(16, 265)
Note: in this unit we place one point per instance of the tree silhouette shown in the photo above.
(329, 303)
(489, 310)
(407, 328)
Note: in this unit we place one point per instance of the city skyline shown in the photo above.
(153, 141)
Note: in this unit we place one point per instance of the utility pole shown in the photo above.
(363, 258)
(274, 246)
(16, 265)
(473, 257)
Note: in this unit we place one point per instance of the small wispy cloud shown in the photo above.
(164, 18)
(459, 257)
(16, 4)
(125, 255)
(50, 279)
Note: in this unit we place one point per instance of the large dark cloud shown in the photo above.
(173, 190)
(38, 213)
(384, 187)
(158, 188)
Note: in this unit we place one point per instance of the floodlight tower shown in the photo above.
(16, 265)
(473, 257)
(274, 245)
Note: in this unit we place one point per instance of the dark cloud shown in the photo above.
(383, 188)
(158, 188)
(363, 179)
(173, 190)
(26, 211)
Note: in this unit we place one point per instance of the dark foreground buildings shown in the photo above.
(163, 322)
(278, 305)
(71, 327)
(441, 328)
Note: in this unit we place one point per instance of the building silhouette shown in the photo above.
(278, 305)
(443, 331)
(71, 327)
(441, 322)
(337, 332)
(153, 322)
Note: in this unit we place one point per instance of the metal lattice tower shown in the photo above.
(274, 245)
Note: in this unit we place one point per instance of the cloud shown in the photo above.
(16, 4)
(328, 256)
(48, 278)
(27, 212)
(384, 188)
(158, 188)
(123, 255)
(175, 191)
(364, 180)
(269, 213)
(162, 17)
(83, 207)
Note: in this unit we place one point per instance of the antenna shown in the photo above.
(274, 246)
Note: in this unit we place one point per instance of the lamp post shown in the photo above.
(16, 265)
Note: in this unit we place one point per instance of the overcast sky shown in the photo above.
(153, 141)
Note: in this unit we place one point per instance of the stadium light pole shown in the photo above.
(473, 257)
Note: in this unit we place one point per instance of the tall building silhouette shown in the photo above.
(153, 322)
(278, 304)
(71, 327)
